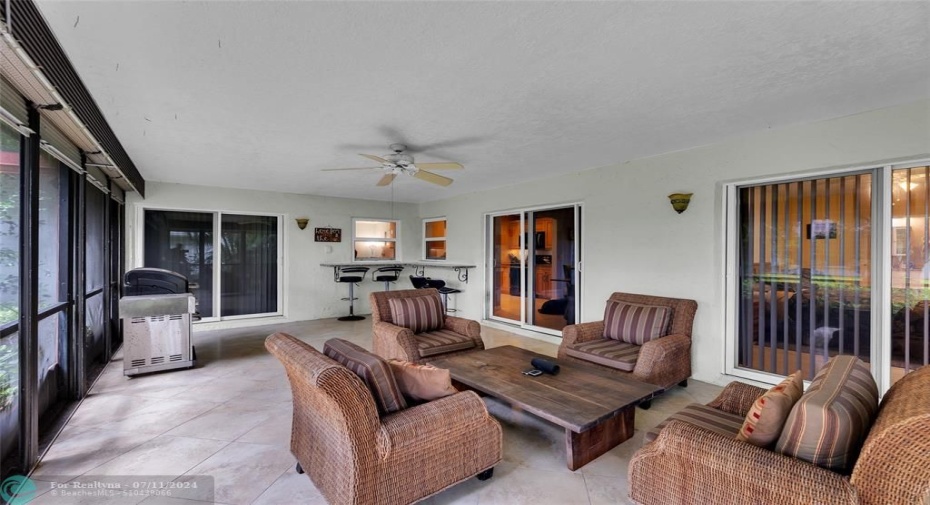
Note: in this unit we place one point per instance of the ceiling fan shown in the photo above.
(400, 162)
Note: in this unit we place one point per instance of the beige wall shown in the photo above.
(634, 241)
(309, 290)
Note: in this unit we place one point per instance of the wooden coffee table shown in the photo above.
(595, 406)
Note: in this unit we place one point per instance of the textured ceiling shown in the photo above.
(264, 95)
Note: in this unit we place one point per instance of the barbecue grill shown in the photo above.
(157, 309)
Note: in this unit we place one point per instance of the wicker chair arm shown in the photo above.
(664, 361)
(463, 326)
(392, 341)
(688, 464)
(737, 398)
(428, 428)
(581, 332)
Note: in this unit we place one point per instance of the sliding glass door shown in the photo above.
(910, 270)
(507, 268)
(245, 283)
(831, 265)
(533, 275)
(805, 262)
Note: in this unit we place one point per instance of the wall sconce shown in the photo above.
(680, 201)
(302, 222)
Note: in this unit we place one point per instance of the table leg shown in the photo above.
(582, 448)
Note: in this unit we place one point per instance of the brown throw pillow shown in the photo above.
(635, 324)
(372, 369)
(419, 314)
(767, 415)
(422, 382)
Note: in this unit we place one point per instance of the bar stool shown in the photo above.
(355, 275)
(440, 285)
(419, 282)
(445, 291)
(387, 275)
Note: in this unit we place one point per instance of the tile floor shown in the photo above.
(230, 418)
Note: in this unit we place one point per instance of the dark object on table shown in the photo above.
(545, 366)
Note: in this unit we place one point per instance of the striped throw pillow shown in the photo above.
(419, 314)
(767, 415)
(828, 424)
(635, 324)
(372, 369)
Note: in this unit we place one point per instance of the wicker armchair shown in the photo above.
(689, 464)
(458, 335)
(665, 361)
(353, 457)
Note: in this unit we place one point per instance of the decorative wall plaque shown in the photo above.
(327, 234)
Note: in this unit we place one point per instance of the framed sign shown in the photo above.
(327, 234)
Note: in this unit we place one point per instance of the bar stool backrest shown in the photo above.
(352, 274)
(419, 282)
(389, 273)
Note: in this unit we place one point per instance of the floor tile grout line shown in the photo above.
(270, 485)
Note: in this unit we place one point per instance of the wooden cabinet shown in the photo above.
(544, 281)
(513, 234)
(547, 226)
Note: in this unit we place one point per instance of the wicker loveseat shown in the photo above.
(691, 463)
(389, 340)
(355, 457)
(664, 361)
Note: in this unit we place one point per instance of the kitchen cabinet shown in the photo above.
(547, 226)
(544, 281)
(513, 234)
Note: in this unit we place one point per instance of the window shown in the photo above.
(434, 239)
(53, 278)
(247, 282)
(375, 239)
(910, 270)
(811, 276)
(249, 265)
(9, 292)
(805, 258)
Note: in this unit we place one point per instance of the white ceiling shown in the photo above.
(263, 95)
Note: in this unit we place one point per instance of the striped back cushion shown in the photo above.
(419, 314)
(372, 369)
(635, 324)
(828, 424)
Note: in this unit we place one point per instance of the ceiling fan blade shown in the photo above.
(439, 166)
(374, 158)
(431, 177)
(387, 179)
(358, 168)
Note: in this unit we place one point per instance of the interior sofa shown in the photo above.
(694, 457)
(355, 456)
(391, 340)
(663, 361)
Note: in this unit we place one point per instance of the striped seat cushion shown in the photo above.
(607, 352)
(372, 369)
(635, 324)
(703, 416)
(419, 314)
(431, 343)
(829, 423)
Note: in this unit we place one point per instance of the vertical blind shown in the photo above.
(805, 256)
